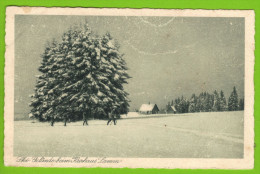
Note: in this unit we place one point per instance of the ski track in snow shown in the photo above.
(222, 136)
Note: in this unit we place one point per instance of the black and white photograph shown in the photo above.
(138, 88)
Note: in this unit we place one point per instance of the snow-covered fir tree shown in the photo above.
(233, 100)
(192, 103)
(168, 107)
(216, 103)
(222, 102)
(183, 105)
(84, 73)
(207, 102)
(210, 98)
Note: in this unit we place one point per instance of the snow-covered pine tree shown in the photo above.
(199, 104)
(192, 103)
(233, 100)
(203, 102)
(183, 105)
(177, 105)
(85, 73)
(168, 107)
(210, 102)
(43, 100)
(222, 102)
(112, 75)
(216, 103)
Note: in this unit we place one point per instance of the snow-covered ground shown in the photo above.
(193, 135)
(139, 115)
(130, 114)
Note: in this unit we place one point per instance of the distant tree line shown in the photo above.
(206, 102)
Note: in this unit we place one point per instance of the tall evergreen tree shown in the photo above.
(177, 105)
(222, 102)
(233, 100)
(205, 102)
(216, 103)
(192, 103)
(200, 102)
(168, 107)
(183, 105)
(210, 102)
(84, 73)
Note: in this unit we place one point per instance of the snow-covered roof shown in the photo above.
(173, 108)
(146, 107)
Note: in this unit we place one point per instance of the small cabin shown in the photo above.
(171, 109)
(149, 109)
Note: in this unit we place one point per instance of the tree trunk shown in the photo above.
(52, 121)
(65, 121)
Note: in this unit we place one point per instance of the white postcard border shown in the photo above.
(192, 163)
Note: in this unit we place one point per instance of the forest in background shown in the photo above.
(207, 102)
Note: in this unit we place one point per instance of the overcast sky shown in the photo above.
(167, 57)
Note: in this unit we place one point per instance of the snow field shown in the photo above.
(193, 135)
